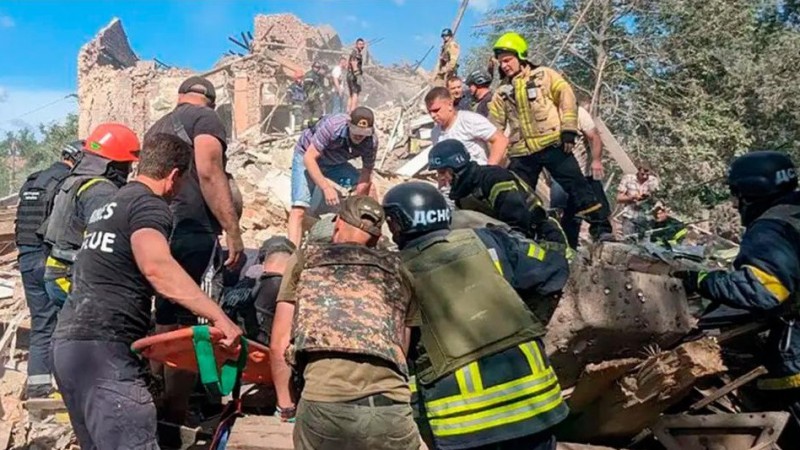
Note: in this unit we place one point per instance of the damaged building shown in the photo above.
(114, 84)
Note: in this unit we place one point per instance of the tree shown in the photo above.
(24, 152)
(686, 85)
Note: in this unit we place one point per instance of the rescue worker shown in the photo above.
(314, 88)
(448, 57)
(635, 193)
(766, 272)
(36, 198)
(538, 106)
(297, 98)
(666, 229)
(321, 158)
(124, 259)
(494, 191)
(341, 324)
(482, 373)
(107, 156)
(355, 72)
(478, 83)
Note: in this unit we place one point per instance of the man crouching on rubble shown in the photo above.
(321, 158)
(124, 258)
(482, 374)
(766, 275)
(341, 313)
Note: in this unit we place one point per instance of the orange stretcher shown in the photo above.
(181, 348)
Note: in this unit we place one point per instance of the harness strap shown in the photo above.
(220, 382)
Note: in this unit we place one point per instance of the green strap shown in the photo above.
(221, 382)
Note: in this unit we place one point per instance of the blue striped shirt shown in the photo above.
(331, 138)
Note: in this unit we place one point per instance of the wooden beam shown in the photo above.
(730, 387)
(614, 148)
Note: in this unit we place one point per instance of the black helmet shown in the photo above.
(447, 32)
(448, 154)
(757, 179)
(415, 208)
(72, 151)
(479, 78)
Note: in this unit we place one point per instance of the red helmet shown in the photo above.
(113, 141)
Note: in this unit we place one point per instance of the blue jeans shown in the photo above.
(344, 174)
(56, 295)
(43, 319)
(337, 103)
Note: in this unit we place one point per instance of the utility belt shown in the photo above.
(377, 400)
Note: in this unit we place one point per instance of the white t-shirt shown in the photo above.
(473, 130)
(336, 74)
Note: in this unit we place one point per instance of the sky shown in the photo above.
(39, 40)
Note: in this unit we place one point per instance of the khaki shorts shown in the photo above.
(338, 426)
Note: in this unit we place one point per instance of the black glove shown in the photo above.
(690, 279)
(569, 137)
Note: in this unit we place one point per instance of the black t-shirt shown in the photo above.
(189, 208)
(111, 298)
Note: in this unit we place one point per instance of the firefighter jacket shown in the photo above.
(448, 58)
(35, 203)
(313, 86)
(669, 232)
(501, 194)
(537, 105)
(766, 277)
(482, 373)
(350, 299)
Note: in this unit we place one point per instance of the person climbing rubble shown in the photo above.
(124, 259)
(355, 73)
(448, 58)
(766, 272)
(36, 197)
(297, 98)
(340, 321)
(321, 159)
(314, 89)
(479, 83)
(485, 143)
(483, 379)
(202, 210)
(539, 107)
(108, 153)
(494, 191)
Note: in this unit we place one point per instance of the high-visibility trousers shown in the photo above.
(497, 398)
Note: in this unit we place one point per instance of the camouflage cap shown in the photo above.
(359, 207)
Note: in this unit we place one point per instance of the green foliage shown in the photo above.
(684, 84)
(23, 152)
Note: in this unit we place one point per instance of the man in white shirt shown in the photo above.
(337, 92)
(485, 143)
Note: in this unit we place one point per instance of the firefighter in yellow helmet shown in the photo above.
(539, 108)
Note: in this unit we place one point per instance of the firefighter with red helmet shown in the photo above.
(108, 153)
